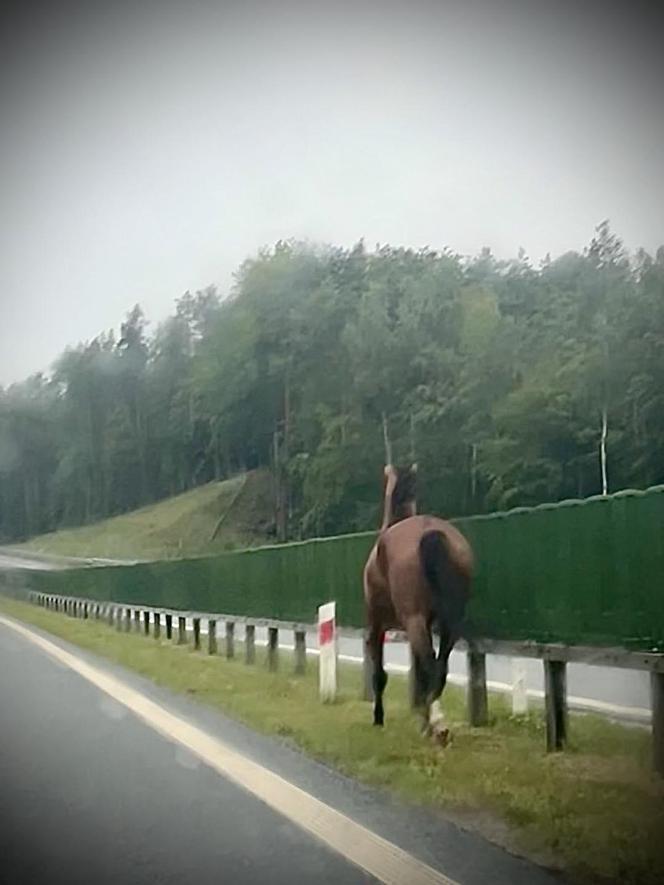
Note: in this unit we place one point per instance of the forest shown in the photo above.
(509, 384)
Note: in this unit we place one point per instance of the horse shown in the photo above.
(417, 578)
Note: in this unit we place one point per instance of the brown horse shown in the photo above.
(417, 578)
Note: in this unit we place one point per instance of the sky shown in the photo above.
(148, 148)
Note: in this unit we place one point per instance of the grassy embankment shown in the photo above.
(179, 526)
(596, 811)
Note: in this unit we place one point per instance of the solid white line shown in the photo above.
(381, 859)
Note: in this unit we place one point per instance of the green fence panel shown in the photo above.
(577, 572)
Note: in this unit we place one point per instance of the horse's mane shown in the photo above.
(403, 494)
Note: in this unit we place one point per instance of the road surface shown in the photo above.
(619, 693)
(95, 788)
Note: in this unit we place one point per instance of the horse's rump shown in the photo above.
(447, 578)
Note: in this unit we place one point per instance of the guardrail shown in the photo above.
(555, 657)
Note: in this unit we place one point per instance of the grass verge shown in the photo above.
(595, 811)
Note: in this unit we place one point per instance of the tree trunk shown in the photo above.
(602, 452)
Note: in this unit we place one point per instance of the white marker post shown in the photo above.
(519, 694)
(327, 645)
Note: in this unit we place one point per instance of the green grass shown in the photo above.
(179, 526)
(595, 811)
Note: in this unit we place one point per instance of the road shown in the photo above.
(95, 788)
(621, 694)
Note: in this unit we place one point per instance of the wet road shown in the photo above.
(90, 792)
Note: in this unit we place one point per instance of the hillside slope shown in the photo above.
(215, 517)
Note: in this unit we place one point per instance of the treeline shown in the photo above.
(509, 384)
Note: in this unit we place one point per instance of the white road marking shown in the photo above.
(381, 859)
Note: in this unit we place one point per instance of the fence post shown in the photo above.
(478, 707)
(300, 652)
(127, 623)
(110, 615)
(182, 630)
(85, 611)
(197, 633)
(250, 644)
(230, 639)
(169, 626)
(272, 648)
(555, 694)
(137, 620)
(367, 670)
(146, 623)
(119, 615)
(157, 625)
(212, 637)
(657, 692)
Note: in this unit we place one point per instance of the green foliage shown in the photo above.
(495, 375)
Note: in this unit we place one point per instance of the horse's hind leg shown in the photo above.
(436, 717)
(375, 649)
(419, 637)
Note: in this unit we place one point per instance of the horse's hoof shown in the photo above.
(442, 736)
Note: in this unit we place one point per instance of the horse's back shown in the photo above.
(402, 541)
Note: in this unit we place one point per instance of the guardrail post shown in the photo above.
(212, 637)
(555, 695)
(300, 652)
(110, 615)
(182, 631)
(249, 643)
(127, 620)
(146, 623)
(137, 620)
(157, 625)
(119, 619)
(657, 691)
(85, 611)
(230, 639)
(197, 633)
(272, 648)
(169, 626)
(478, 708)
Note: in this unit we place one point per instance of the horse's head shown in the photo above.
(400, 493)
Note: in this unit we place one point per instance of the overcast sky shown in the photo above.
(148, 149)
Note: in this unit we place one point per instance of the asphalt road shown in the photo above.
(91, 793)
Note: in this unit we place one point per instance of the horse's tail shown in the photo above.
(449, 586)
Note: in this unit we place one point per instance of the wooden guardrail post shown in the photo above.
(249, 643)
(212, 637)
(169, 626)
(657, 693)
(157, 625)
(273, 648)
(146, 623)
(137, 620)
(197, 633)
(110, 615)
(300, 652)
(119, 618)
(127, 622)
(478, 707)
(182, 630)
(230, 639)
(555, 698)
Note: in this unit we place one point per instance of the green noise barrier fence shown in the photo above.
(587, 572)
